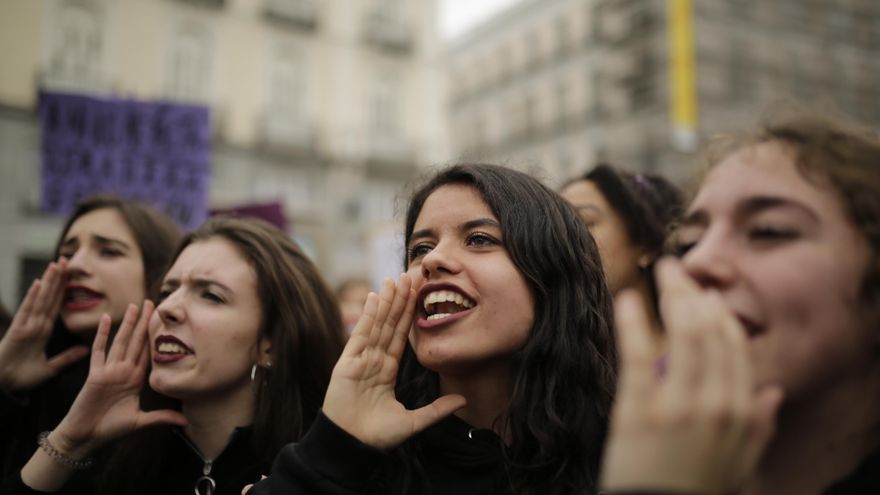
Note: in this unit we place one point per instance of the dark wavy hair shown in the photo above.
(301, 320)
(157, 237)
(649, 205)
(565, 374)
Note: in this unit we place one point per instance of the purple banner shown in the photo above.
(156, 152)
(272, 212)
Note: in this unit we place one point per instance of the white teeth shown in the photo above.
(439, 316)
(440, 296)
(171, 348)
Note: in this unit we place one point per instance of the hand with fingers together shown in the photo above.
(360, 397)
(701, 427)
(23, 360)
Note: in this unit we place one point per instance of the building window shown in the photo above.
(298, 12)
(383, 106)
(285, 122)
(533, 50)
(505, 69)
(386, 11)
(288, 81)
(562, 105)
(530, 117)
(189, 63)
(386, 26)
(77, 51)
(563, 36)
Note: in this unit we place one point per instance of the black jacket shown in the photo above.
(174, 471)
(24, 416)
(454, 458)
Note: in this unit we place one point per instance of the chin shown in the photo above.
(161, 384)
(445, 364)
(81, 323)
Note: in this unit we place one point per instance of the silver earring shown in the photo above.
(253, 371)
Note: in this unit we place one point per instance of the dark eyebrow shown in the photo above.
(101, 239)
(586, 206)
(479, 222)
(108, 240)
(698, 217)
(198, 282)
(419, 234)
(758, 204)
(207, 282)
(751, 206)
(69, 242)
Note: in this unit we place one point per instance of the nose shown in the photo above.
(441, 259)
(711, 262)
(79, 265)
(171, 310)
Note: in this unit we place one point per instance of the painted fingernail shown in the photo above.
(661, 365)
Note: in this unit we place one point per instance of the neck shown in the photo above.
(487, 393)
(212, 419)
(821, 440)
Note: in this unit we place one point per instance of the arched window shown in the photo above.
(287, 81)
(189, 63)
(77, 47)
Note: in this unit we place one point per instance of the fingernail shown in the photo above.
(660, 367)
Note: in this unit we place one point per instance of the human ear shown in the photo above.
(264, 353)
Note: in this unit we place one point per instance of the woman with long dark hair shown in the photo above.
(488, 368)
(243, 340)
(112, 252)
(630, 216)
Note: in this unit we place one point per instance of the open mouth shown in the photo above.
(167, 345)
(441, 303)
(81, 297)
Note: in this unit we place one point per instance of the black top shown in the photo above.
(175, 471)
(455, 459)
(24, 416)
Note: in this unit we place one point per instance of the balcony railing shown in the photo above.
(301, 13)
(388, 32)
(282, 132)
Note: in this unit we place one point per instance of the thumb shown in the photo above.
(764, 424)
(67, 357)
(163, 416)
(424, 417)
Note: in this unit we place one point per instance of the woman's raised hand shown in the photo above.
(23, 361)
(360, 397)
(699, 426)
(108, 406)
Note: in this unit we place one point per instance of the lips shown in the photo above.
(439, 304)
(79, 297)
(169, 349)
